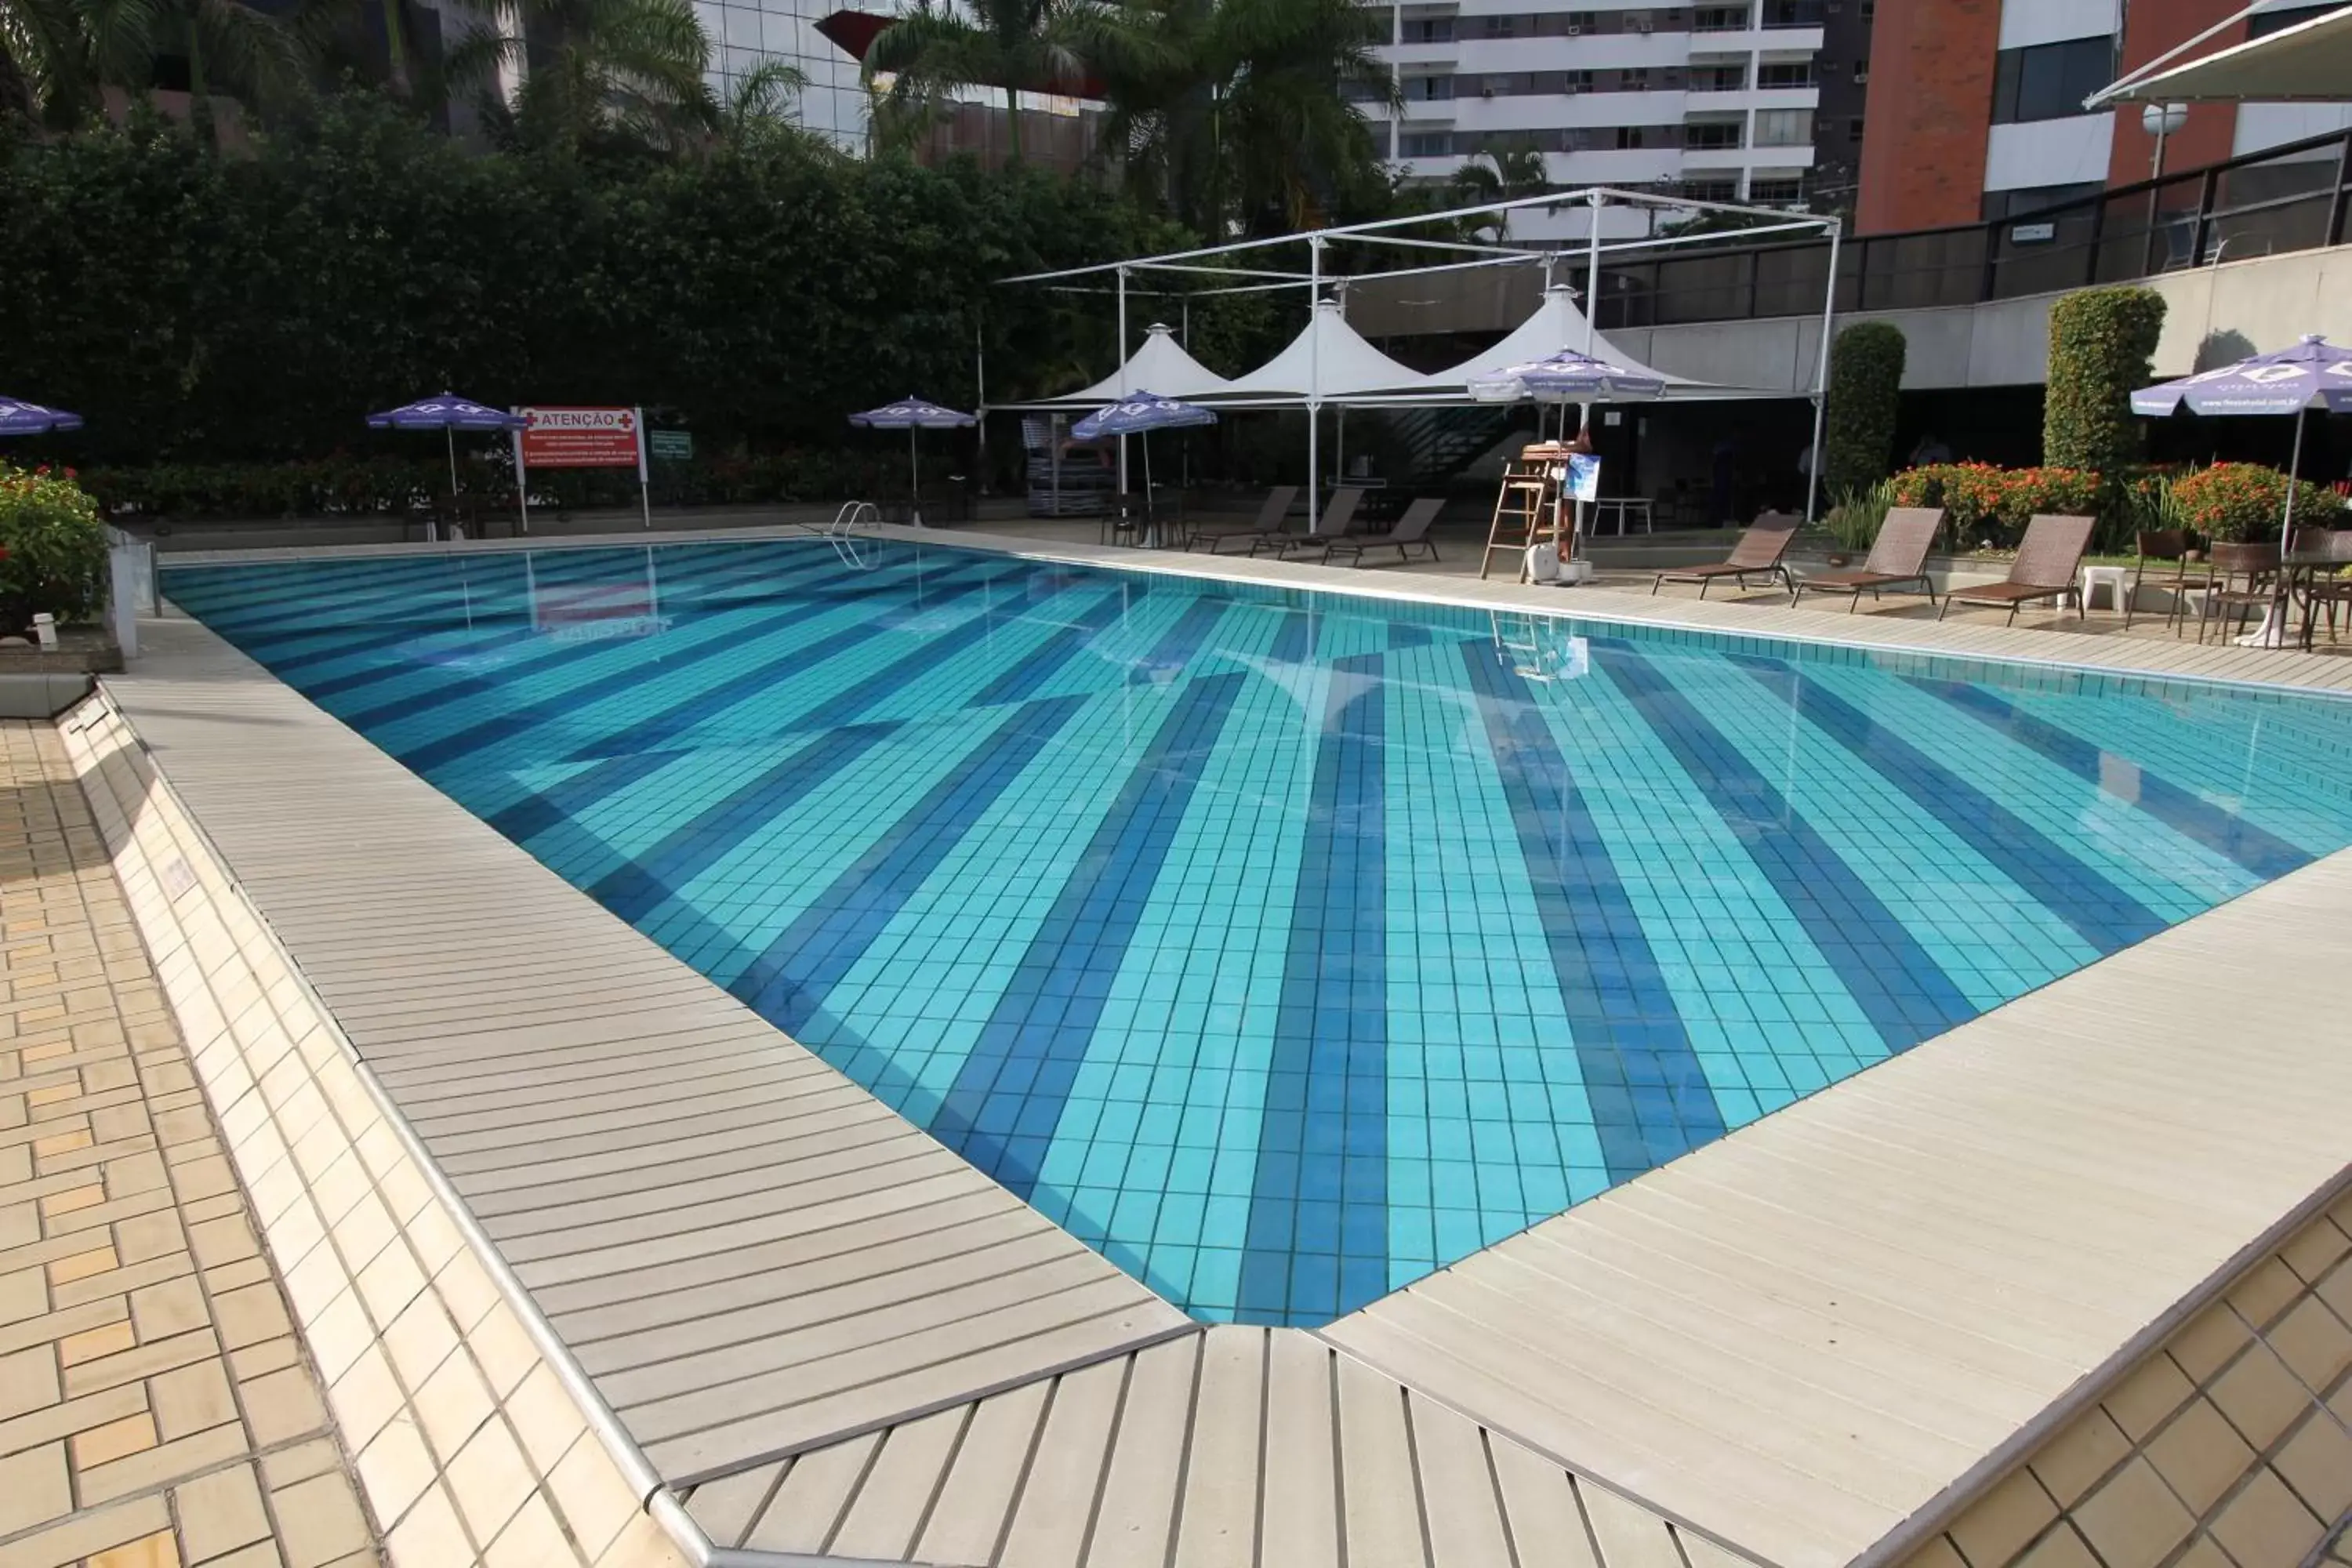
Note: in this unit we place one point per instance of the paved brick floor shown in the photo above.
(155, 1408)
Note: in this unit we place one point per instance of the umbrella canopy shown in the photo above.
(32, 419)
(446, 412)
(2313, 374)
(1567, 376)
(1140, 412)
(912, 413)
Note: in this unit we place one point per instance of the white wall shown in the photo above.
(2262, 125)
(2025, 22)
(2073, 151)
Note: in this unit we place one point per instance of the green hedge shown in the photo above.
(1866, 388)
(55, 545)
(213, 308)
(2247, 502)
(2102, 343)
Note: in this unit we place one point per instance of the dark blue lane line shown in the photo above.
(560, 802)
(1021, 682)
(2098, 912)
(559, 655)
(239, 599)
(1408, 634)
(429, 754)
(634, 891)
(1316, 1243)
(1009, 1093)
(704, 703)
(1295, 643)
(924, 662)
(473, 646)
(2191, 816)
(1900, 989)
(1180, 644)
(787, 982)
(1650, 1098)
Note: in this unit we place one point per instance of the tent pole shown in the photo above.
(1314, 386)
(1821, 378)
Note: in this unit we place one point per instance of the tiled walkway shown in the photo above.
(155, 1407)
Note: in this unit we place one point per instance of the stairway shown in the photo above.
(1441, 442)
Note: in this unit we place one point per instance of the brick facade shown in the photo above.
(2150, 28)
(1931, 68)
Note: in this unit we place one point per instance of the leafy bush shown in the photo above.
(56, 545)
(1865, 386)
(1989, 502)
(2245, 501)
(1854, 521)
(2102, 341)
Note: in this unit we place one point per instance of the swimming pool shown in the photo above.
(1285, 947)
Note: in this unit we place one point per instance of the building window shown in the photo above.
(1712, 135)
(2000, 205)
(1776, 191)
(1784, 127)
(1632, 137)
(1499, 26)
(2270, 22)
(1583, 22)
(1635, 80)
(1428, 30)
(1576, 81)
(1869, 12)
(1425, 145)
(1785, 73)
(1854, 129)
(1711, 190)
(1792, 13)
(1427, 89)
(2049, 82)
(1719, 19)
(1720, 78)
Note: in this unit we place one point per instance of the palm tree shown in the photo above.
(757, 110)
(55, 55)
(47, 74)
(1012, 45)
(1245, 110)
(1499, 172)
(594, 73)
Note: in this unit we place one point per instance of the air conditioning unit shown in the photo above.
(1485, 92)
(1575, 30)
(1646, 26)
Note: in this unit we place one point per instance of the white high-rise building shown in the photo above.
(1719, 101)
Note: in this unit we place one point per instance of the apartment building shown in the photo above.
(1991, 121)
(1752, 100)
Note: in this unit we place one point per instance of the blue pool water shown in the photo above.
(1286, 947)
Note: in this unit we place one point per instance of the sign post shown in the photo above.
(579, 437)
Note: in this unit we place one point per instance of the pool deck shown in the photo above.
(1807, 1343)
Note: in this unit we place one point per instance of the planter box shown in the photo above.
(37, 685)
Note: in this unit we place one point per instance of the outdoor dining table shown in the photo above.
(2315, 551)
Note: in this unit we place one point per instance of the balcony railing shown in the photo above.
(2271, 202)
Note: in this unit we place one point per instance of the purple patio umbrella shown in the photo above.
(2313, 374)
(1567, 376)
(910, 415)
(448, 414)
(1139, 413)
(19, 418)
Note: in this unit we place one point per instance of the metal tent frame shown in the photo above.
(1203, 261)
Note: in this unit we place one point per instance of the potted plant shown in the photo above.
(55, 549)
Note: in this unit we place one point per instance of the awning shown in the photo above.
(2310, 62)
(1161, 366)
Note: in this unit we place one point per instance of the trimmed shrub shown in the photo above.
(56, 545)
(2245, 501)
(1986, 502)
(2101, 343)
(1865, 385)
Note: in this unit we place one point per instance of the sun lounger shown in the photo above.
(1340, 511)
(1278, 501)
(1758, 554)
(1897, 557)
(2044, 569)
(1409, 532)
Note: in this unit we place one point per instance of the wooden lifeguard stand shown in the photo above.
(1528, 508)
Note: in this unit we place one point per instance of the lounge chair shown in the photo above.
(1758, 554)
(1337, 513)
(1279, 502)
(1410, 530)
(2045, 568)
(1897, 556)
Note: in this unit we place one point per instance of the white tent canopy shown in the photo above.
(2310, 62)
(1161, 366)
(1327, 360)
(1556, 324)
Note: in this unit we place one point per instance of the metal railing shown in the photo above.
(2272, 203)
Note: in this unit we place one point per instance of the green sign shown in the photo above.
(672, 444)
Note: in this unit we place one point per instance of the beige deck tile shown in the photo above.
(2265, 1523)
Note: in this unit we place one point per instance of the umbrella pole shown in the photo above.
(914, 481)
(2294, 466)
(1150, 522)
(449, 434)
